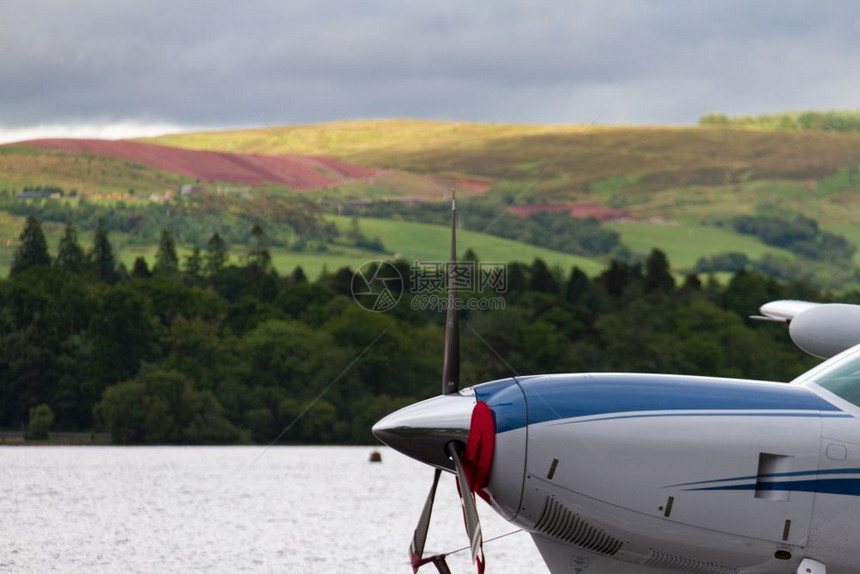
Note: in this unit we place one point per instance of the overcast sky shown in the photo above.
(123, 67)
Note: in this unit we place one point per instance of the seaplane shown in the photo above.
(622, 473)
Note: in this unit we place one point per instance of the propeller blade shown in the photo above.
(416, 549)
(470, 511)
(451, 364)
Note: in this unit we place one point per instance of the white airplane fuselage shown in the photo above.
(658, 473)
(645, 474)
(641, 474)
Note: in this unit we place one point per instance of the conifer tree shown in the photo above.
(140, 269)
(576, 285)
(101, 255)
(299, 276)
(542, 279)
(692, 282)
(194, 264)
(122, 274)
(166, 260)
(33, 249)
(259, 255)
(70, 255)
(658, 277)
(616, 278)
(216, 254)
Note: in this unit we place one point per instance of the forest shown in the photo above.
(210, 350)
(193, 220)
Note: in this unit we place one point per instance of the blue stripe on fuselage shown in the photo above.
(557, 397)
(847, 486)
(727, 413)
(821, 472)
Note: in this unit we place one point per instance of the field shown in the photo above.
(22, 166)
(354, 138)
(685, 243)
(213, 167)
(424, 242)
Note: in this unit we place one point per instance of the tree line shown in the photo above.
(800, 235)
(194, 218)
(818, 257)
(834, 120)
(209, 350)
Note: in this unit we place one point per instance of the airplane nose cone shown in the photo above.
(422, 430)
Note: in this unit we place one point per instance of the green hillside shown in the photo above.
(685, 243)
(409, 240)
(690, 181)
(425, 242)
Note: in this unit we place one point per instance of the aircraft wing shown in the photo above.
(783, 311)
(820, 329)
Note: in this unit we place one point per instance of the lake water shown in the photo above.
(223, 509)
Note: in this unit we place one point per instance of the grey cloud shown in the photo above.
(225, 64)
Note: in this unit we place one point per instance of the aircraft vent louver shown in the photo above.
(682, 564)
(563, 524)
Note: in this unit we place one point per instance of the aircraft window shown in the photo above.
(843, 379)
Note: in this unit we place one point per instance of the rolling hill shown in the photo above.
(703, 173)
(690, 180)
(212, 166)
(578, 154)
(115, 166)
(29, 166)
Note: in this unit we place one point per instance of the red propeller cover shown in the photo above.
(478, 456)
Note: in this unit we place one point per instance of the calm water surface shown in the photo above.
(188, 509)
